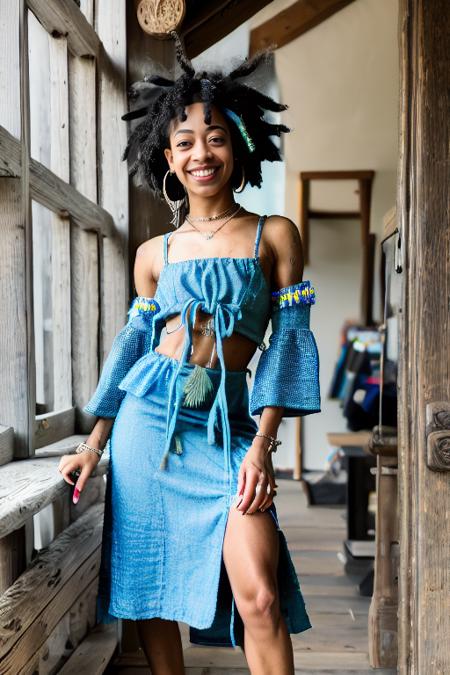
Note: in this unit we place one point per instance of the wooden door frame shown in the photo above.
(424, 494)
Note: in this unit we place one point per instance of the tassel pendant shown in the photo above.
(198, 388)
(178, 447)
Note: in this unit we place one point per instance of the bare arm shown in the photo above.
(283, 239)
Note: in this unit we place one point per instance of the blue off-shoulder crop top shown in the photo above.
(235, 292)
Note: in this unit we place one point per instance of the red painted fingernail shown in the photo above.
(76, 495)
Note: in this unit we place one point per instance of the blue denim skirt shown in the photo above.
(163, 528)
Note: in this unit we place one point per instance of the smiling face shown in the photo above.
(201, 154)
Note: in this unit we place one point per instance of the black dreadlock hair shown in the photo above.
(160, 100)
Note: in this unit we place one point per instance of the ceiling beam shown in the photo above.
(214, 21)
(63, 17)
(293, 22)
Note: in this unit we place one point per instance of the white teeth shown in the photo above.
(203, 172)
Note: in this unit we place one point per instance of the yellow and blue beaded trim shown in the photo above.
(142, 304)
(298, 294)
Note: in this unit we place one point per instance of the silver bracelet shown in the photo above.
(274, 443)
(83, 446)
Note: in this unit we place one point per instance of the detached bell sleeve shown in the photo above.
(133, 341)
(287, 374)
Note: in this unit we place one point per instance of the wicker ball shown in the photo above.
(159, 17)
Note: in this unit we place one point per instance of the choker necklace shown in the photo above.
(209, 234)
(205, 219)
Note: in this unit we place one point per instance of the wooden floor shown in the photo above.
(337, 643)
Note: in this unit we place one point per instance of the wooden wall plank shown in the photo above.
(61, 260)
(73, 553)
(53, 193)
(25, 143)
(51, 614)
(113, 175)
(84, 245)
(65, 636)
(13, 332)
(65, 18)
(94, 653)
(424, 583)
(292, 22)
(150, 216)
(9, 67)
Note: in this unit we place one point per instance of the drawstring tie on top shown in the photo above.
(225, 317)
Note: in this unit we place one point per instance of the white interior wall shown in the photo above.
(340, 81)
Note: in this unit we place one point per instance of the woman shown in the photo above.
(187, 460)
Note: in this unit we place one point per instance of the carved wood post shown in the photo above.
(424, 494)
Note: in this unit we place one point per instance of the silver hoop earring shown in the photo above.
(177, 206)
(242, 183)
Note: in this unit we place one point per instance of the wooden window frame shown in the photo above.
(86, 190)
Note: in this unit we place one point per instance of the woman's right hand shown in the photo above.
(85, 463)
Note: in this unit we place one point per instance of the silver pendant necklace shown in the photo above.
(218, 216)
(209, 234)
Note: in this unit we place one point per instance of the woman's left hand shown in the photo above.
(256, 475)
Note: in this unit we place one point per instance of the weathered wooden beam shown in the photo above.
(94, 653)
(9, 67)
(65, 446)
(54, 193)
(292, 22)
(84, 245)
(338, 175)
(424, 335)
(216, 20)
(113, 174)
(63, 17)
(14, 390)
(12, 557)
(48, 588)
(40, 484)
(67, 634)
(384, 603)
(60, 227)
(54, 426)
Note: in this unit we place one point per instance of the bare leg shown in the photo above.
(251, 557)
(161, 641)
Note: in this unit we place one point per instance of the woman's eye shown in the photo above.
(217, 139)
(182, 144)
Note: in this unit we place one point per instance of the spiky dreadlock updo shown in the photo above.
(161, 100)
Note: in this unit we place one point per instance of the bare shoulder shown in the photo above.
(282, 235)
(148, 263)
(151, 247)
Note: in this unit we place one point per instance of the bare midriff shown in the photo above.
(237, 349)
